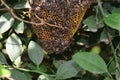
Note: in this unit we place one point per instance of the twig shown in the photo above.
(14, 15)
(42, 21)
(49, 23)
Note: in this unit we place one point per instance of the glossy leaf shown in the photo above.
(19, 27)
(45, 77)
(18, 75)
(1, 36)
(18, 62)
(90, 61)
(91, 23)
(67, 70)
(22, 4)
(113, 21)
(117, 74)
(6, 21)
(4, 72)
(42, 67)
(104, 37)
(116, 10)
(1, 46)
(35, 53)
(107, 78)
(57, 63)
(2, 59)
(14, 47)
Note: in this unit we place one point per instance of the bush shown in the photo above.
(95, 54)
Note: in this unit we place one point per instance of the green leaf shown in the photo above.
(57, 63)
(115, 10)
(22, 4)
(113, 21)
(18, 62)
(92, 24)
(42, 67)
(35, 53)
(107, 78)
(14, 47)
(2, 59)
(4, 72)
(104, 37)
(90, 61)
(111, 65)
(19, 27)
(83, 41)
(1, 36)
(18, 75)
(1, 45)
(67, 70)
(105, 33)
(45, 77)
(6, 21)
(117, 74)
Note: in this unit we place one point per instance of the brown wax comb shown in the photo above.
(60, 18)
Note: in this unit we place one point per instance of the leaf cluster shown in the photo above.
(95, 54)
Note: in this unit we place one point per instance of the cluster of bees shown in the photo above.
(60, 20)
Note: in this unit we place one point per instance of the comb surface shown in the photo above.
(61, 20)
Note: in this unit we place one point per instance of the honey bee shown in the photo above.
(60, 18)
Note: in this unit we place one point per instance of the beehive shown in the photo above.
(60, 18)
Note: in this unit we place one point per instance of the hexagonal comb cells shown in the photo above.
(60, 18)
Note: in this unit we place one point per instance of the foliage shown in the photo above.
(95, 54)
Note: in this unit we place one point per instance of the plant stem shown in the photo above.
(113, 50)
(101, 9)
(27, 70)
(33, 71)
(37, 67)
(111, 44)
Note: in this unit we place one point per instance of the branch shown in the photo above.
(16, 17)
(49, 23)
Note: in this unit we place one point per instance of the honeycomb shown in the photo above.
(60, 18)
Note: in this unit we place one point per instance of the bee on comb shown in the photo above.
(60, 18)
